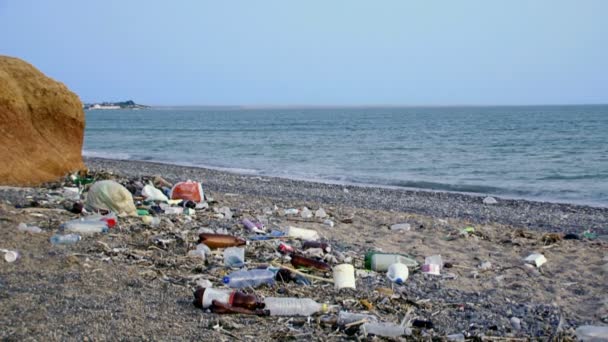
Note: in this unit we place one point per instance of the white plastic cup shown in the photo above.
(302, 233)
(344, 276)
(397, 273)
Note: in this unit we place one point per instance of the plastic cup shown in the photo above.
(344, 276)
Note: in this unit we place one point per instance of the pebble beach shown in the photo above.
(136, 282)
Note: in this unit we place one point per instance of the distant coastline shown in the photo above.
(130, 104)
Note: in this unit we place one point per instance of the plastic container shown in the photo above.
(251, 226)
(83, 226)
(302, 233)
(381, 261)
(344, 276)
(249, 278)
(201, 251)
(293, 306)
(397, 273)
(190, 191)
(592, 333)
(385, 329)
(433, 265)
(22, 227)
(234, 257)
(67, 239)
(345, 317)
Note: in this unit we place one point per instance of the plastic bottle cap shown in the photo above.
(324, 307)
(226, 280)
(399, 281)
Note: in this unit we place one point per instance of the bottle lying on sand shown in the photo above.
(203, 298)
(381, 261)
(293, 306)
(220, 240)
(300, 261)
(86, 226)
(249, 278)
(67, 239)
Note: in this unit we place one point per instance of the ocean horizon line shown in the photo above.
(365, 106)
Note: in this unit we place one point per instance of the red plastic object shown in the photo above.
(110, 221)
(188, 191)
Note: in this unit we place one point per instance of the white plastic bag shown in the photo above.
(153, 194)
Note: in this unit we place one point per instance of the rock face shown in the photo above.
(41, 126)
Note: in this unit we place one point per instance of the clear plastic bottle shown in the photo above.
(293, 306)
(247, 278)
(590, 333)
(67, 239)
(86, 226)
(28, 229)
(385, 329)
(345, 317)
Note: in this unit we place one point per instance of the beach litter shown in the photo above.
(108, 195)
(240, 262)
(536, 259)
(10, 256)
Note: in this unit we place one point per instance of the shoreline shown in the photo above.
(522, 213)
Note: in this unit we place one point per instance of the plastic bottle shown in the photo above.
(293, 306)
(251, 226)
(247, 278)
(67, 239)
(220, 240)
(397, 273)
(234, 257)
(345, 317)
(28, 229)
(385, 329)
(381, 261)
(86, 226)
(591, 333)
(302, 233)
(300, 261)
(203, 297)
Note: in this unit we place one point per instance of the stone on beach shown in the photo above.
(41, 126)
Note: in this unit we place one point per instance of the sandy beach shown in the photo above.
(136, 283)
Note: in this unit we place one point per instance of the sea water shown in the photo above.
(554, 153)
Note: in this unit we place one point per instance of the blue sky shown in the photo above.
(316, 52)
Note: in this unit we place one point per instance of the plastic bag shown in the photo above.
(153, 194)
(188, 191)
(109, 195)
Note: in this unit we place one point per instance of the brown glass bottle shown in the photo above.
(220, 240)
(204, 297)
(300, 261)
(315, 244)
